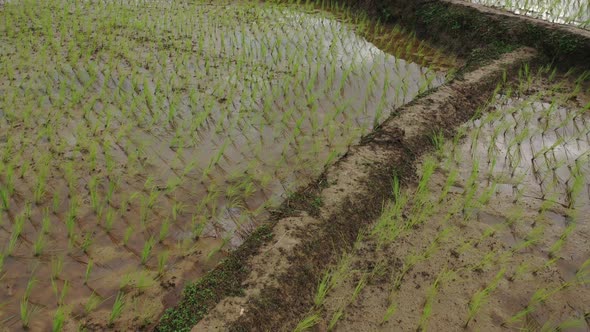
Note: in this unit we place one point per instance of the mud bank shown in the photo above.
(493, 237)
(276, 282)
(279, 285)
(163, 146)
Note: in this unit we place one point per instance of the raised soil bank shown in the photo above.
(133, 164)
(280, 277)
(494, 236)
(281, 284)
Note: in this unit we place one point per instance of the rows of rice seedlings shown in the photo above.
(574, 12)
(140, 137)
(494, 233)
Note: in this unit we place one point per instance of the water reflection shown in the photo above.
(574, 12)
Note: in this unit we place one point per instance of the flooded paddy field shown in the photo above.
(493, 235)
(141, 141)
(571, 12)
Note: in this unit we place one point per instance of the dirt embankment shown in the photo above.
(276, 282)
(280, 285)
(492, 254)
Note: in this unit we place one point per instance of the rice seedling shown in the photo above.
(565, 325)
(59, 319)
(2, 258)
(307, 323)
(109, 219)
(430, 296)
(540, 296)
(162, 260)
(92, 303)
(389, 312)
(437, 139)
(39, 244)
(89, 266)
(61, 294)
(480, 298)
(583, 272)
(56, 266)
(117, 308)
(144, 280)
(17, 230)
(335, 318)
(45, 222)
(323, 288)
(4, 197)
(147, 249)
(71, 218)
(127, 235)
(26, 311)
(94, 199)
(164, 230)
(359, 287)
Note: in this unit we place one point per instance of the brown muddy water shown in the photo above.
(139, 143)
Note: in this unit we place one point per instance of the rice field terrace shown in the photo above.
(155, 153)
(140, 140)
(572, 12)
(494, 235)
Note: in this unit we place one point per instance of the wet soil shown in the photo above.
(278, 290)
(169, 142)
(523, 243)
(465, 28)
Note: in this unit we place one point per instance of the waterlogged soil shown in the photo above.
(572, 12)
(282, 275)
(132, 159)
(503, 248)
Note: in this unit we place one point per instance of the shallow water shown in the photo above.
(529, 161)
(196, 116)
(501, 210)
(532, 152)
(573, 12)
(538, 151)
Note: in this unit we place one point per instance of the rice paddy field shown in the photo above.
(494, 235)
(143, 142)
(140, 140)
(572, 12)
